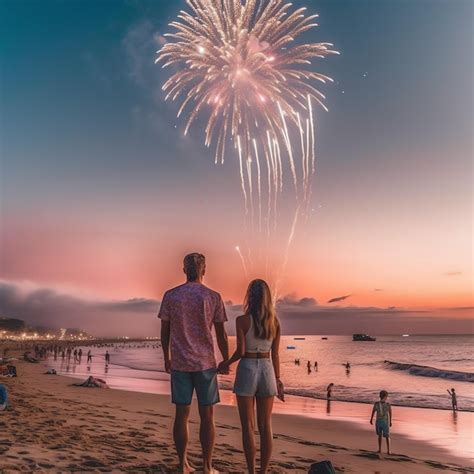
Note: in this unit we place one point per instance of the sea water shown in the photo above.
(417, 371)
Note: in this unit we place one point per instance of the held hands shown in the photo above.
(223, 368)
(167, 366)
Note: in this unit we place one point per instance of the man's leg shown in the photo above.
(388, 444)
(180, 435)
(207, 391)
(380, 443)
(181, 396)
(207, 434)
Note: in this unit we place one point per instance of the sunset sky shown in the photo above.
(102, 195)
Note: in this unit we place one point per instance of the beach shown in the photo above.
(53, 426)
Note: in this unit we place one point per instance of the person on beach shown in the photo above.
(383, 420)
(188, 313)
(454, 399)
(107, 358)
(316, 366)
(257, 380)
(329, 391)
(308, 366)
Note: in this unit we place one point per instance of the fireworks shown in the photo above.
(240, 68)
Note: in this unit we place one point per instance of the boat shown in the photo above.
(299, 338)
(405, 335)
(362, 337)
(291, 347)
(324, 338)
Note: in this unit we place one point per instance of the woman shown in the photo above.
(258, 373)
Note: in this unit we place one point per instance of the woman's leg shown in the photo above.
(247, 420)
(264, 420)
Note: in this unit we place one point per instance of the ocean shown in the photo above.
(415, 370)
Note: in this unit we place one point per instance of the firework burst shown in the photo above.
(242, 70)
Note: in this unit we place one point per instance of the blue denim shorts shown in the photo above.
(255, 378)
(382, 428)
(204, 382)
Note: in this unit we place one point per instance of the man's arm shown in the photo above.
(222, 340)
(239, 350)
(165, 344)
(390, 413)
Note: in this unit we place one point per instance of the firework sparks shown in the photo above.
(241, 69)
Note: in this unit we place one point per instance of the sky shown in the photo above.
(101, 194)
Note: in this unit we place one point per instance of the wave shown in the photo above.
(426, 371)
(362, 395)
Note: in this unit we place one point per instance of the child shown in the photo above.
(454, 399)
(383, 421)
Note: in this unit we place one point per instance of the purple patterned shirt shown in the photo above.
(192, 309)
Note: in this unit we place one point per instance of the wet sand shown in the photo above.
(53, 426)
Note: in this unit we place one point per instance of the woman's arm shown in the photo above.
(276, 353)
(239, 350)
(276, 364)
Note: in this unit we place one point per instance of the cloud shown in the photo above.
(41, 306)
(290, 300)
(371, 320)
(459, 308)
(338, 298)
(140, 44)
(452, 273)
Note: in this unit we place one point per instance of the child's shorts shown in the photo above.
(382, 428)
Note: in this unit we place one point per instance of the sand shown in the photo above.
(53, 426)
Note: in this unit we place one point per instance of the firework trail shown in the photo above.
(239, 68)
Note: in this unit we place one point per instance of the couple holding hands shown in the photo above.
(188, 313)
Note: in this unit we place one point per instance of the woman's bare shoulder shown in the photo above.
(243, 322)
(242, 319)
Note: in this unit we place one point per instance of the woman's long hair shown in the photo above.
(259, 305)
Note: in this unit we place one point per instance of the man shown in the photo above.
(187, 315)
